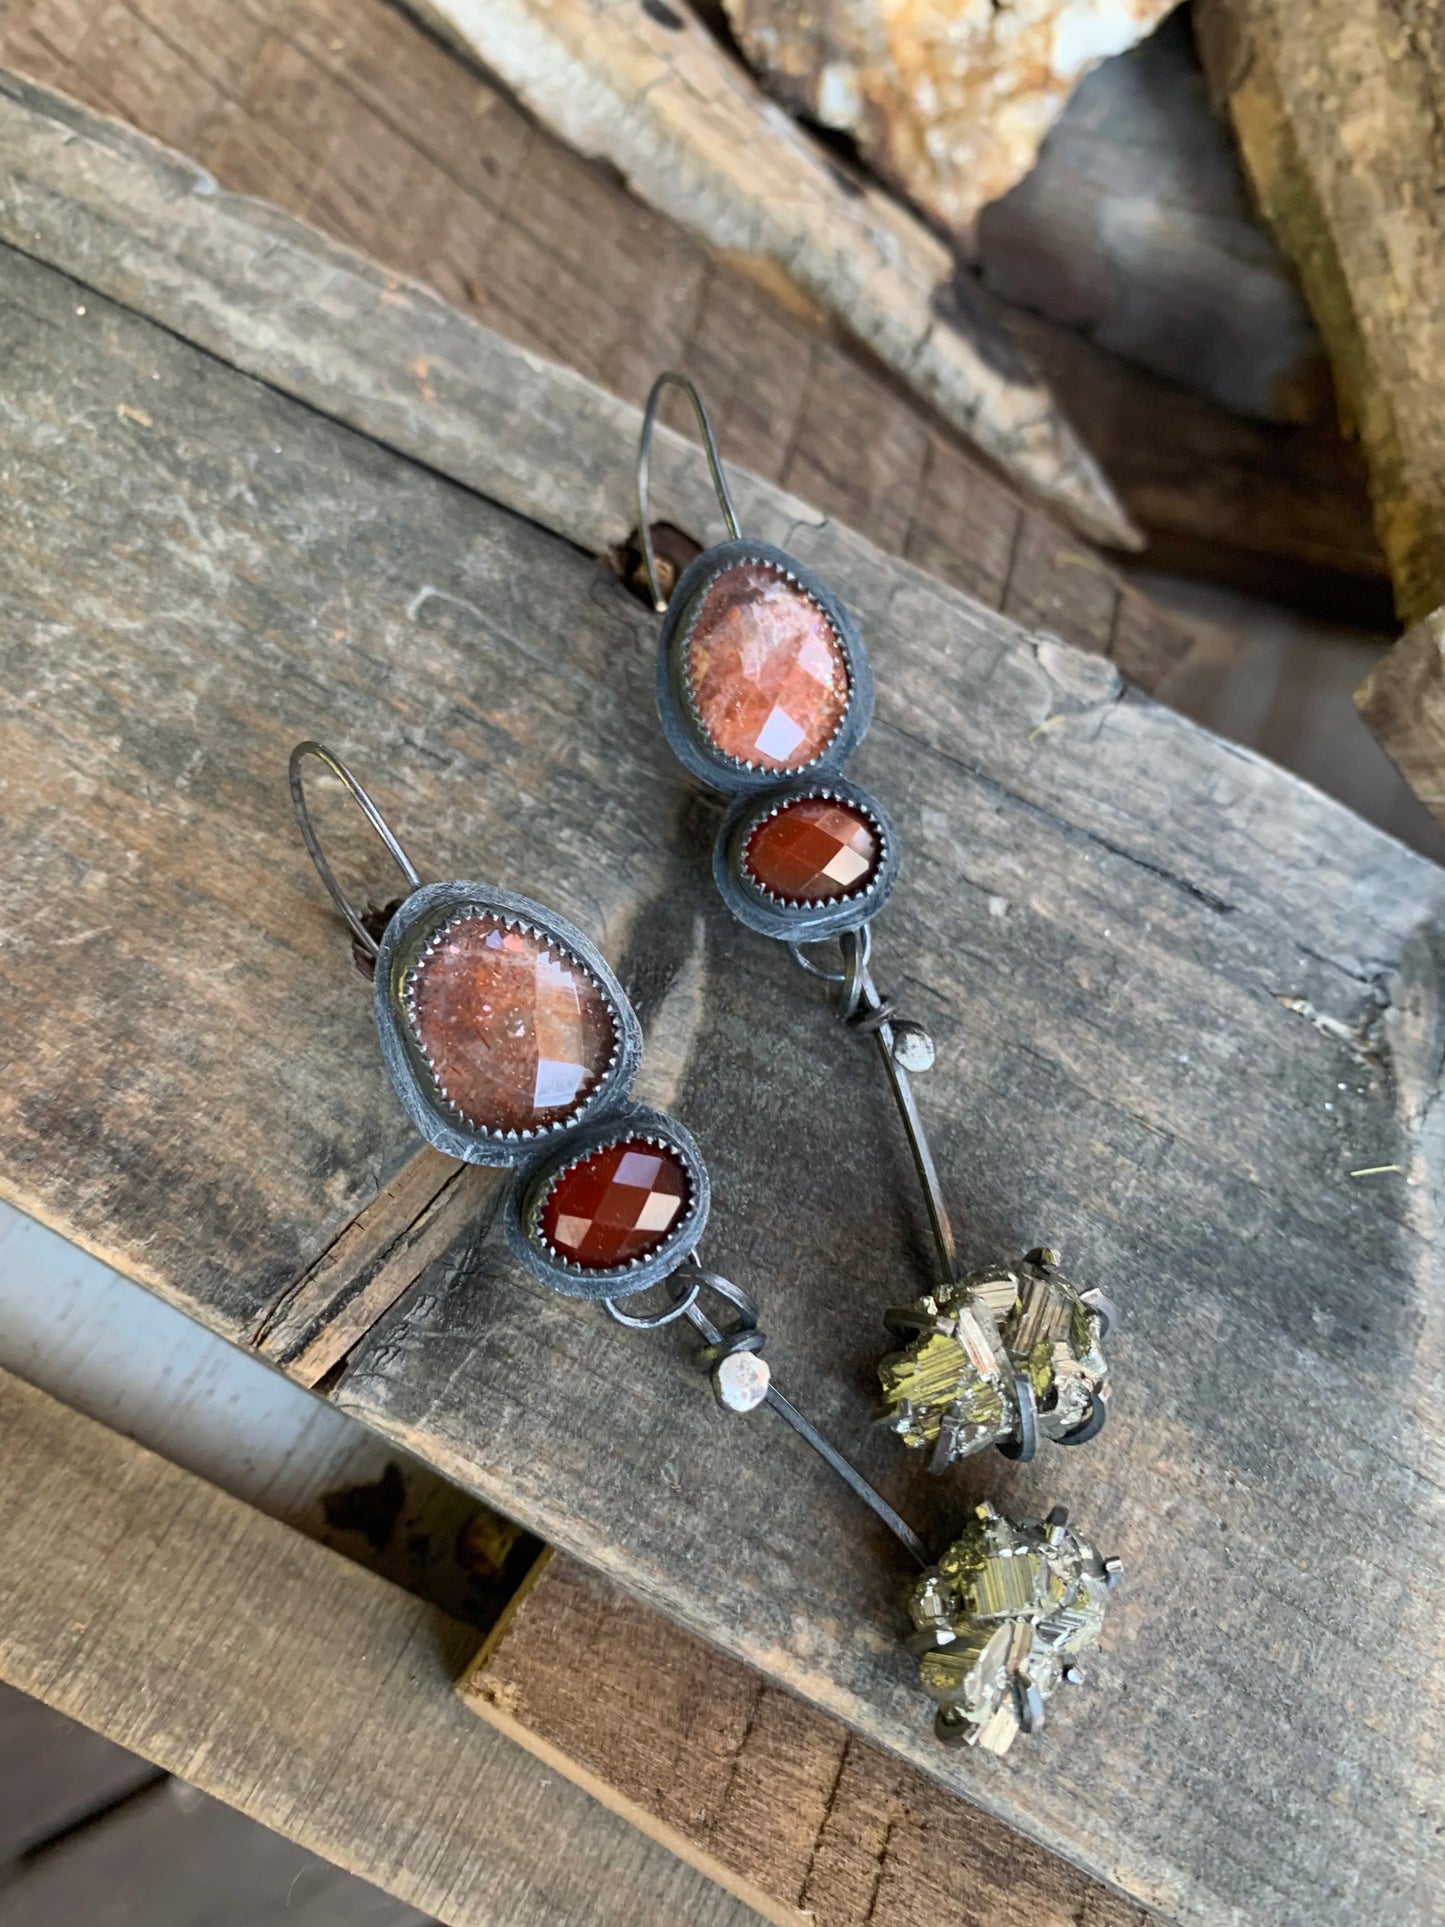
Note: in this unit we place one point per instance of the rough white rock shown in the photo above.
(951, 99)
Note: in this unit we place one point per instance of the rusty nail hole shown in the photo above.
(376, 921)
(673, 549)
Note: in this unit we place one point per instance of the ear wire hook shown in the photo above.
(373, 816)
(672, 379)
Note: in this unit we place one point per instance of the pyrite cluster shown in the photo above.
(999, 1620)
(1004, 1357)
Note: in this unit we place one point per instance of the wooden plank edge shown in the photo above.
(568, 1667)
(477, 1690)
(166, 1612)
(150, 230)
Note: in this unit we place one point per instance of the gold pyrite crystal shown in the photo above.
(1003, 1357)
(998, 1621)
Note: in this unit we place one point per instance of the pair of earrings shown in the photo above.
(511, 1043)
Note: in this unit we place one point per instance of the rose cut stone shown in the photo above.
(765, 669)
(620, 1203)
(516, 1031)
(815, 850)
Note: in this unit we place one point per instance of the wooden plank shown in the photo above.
(1338, 109)
(54, 1774)
(1281, 512)
(1185, 1008)
(173, 1858)
(695, 137)
(1403, 701)
(745, 1780)
(293, 1685)
(345, 113)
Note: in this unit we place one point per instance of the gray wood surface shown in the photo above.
(1181, 1000)
(54, 1774)
(173, 1858)
(279, 1677)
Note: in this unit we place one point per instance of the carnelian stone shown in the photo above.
(516, 1031)
(765, 669)
(621, 1203)
(815, 850)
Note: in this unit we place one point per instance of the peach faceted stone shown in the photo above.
(814, 850)
(516, 1031)
(765, 669)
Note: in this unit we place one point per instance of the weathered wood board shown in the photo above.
(1339, 110)
(744, 1780)
(1187, 1012)
(174, 1858)
(350, 115)
(288, 1682)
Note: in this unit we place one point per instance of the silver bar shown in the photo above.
(851, 1476)
(869, 999)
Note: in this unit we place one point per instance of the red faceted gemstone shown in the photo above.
(814, 851)
(516, 1031)
(765, 669)
(618, 1204)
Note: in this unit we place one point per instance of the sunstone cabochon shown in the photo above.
(761, 673)
(567, 1044)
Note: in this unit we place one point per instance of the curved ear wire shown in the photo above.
(374, 817)
(644, 453)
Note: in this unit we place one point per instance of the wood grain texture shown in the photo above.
(1280, 511)
(288, 1682)
(694, 136)
(346, 113)
(1187, 1009)
(1339, 110)
(806, 1819)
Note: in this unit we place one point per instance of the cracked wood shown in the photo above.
(786, 1807)
(1113, 922)
(694, 136)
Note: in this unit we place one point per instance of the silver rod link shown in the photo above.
(850, 1475)
(685, 1284)
(864, 1009)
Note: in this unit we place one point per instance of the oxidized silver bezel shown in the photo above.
(524, 1208)
(424, 914)
(774, 916)
(681, 723)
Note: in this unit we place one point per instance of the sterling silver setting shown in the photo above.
(414, 972)
(683, 726)
(528, 1198)
(793, 920)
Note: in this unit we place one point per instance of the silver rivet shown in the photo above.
(741, 1381)
(912, 1047)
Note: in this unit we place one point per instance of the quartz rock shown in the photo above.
(949, 99)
